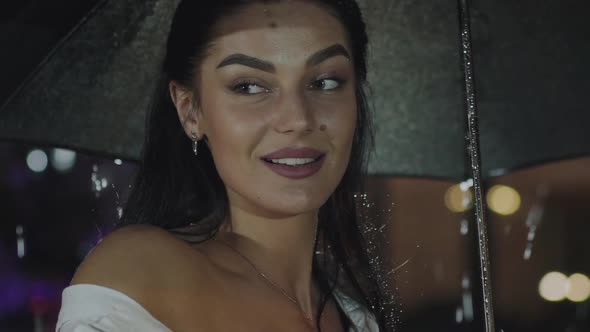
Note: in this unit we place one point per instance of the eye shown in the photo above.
(328, 84)
(248, 87)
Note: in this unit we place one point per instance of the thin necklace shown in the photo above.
(269, 281)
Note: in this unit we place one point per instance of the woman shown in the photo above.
(244, 203)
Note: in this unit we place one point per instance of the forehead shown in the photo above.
(279, 31)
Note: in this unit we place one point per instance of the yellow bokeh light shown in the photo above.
(503, 200)
(554, 286)
(458, 200)
(578, 288)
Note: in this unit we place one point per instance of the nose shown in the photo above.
(294, 114)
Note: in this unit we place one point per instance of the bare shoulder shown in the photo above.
(140, 261)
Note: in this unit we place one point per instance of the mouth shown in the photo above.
(295, 168)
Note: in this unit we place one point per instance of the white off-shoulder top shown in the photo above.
(93, 308)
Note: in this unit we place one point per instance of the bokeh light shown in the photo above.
(37, 161)
(459, 198)
(554, 286)
(62, 159)
(503, 200)
(578, 288)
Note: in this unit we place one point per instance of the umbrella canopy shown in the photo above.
(531, 72)
(92, 91)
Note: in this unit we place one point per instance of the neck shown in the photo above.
(280, 248)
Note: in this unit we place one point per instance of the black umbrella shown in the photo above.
(528, 63)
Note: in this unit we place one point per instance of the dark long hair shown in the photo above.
(174, 189)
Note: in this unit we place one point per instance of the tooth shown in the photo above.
(292, 161)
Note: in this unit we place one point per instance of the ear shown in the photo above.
(187, 109)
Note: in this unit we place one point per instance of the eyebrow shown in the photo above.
(315, 59)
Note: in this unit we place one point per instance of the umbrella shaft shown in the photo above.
(473, 151)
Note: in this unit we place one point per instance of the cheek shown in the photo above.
(226, 121)
(234, 131)
(339, 119)
(346, 134)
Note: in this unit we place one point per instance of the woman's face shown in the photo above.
(278, 76)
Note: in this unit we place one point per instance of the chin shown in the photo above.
(288, 208)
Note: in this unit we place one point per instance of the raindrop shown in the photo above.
(464, 227)
(533, 220)
(468, 306)
(530, 236)
(507, 229)
(98, 184)
(95, 183)
(465, 283)
(20, 241)
(465, 185)
(459, 315)
(116, 192)
(373, 228)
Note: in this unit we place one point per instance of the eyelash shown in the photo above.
(236, 87)
(239, 84)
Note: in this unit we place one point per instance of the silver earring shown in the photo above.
(195, 143)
